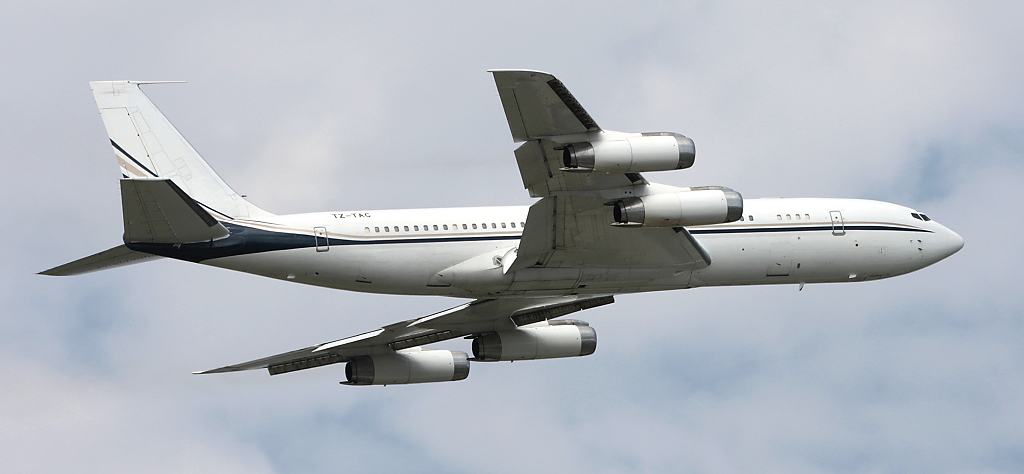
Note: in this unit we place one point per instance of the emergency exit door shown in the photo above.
(837, 223)
(322, 243)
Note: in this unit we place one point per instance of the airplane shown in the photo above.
(599, 228)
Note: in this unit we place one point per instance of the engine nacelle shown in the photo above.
(660, 151)
(698, 206)
(544, 340)
(412, 365)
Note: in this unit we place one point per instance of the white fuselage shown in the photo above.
(458, 251)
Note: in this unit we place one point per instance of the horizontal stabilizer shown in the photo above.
(115, 257)
(157, 211)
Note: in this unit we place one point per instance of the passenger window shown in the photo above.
(522, 223)
(751, 217)
(807, 216)
(435, 227)
(376, 229)
(407, 228)
(798, 217)
(367, 230)
(445, 226)
(741, 218)
(788, 217)
(387, 229)
(779, 216)
(513, 225)
(502, 225)
(474, 226)
(464, 227)
(415, 227)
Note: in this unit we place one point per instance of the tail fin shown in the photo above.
(148, 146)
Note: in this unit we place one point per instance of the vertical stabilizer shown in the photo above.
(148, 146)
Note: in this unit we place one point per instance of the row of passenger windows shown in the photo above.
(789, 217)
(436, 227)
(429, 227)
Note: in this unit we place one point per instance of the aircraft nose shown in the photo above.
(953, 243)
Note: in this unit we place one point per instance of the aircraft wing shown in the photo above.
(538, 106)
(570, 226)
(477, 317)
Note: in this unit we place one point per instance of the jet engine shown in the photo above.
(697, 206)
(413, 365)
(543, 340)
(660, 151)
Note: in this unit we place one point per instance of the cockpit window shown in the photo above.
(925, 218)
(916, 216)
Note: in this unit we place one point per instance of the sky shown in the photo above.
(332, 106)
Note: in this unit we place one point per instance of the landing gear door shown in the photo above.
(320, 234)
(445, 272)
(780, 259)
(837, 223)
